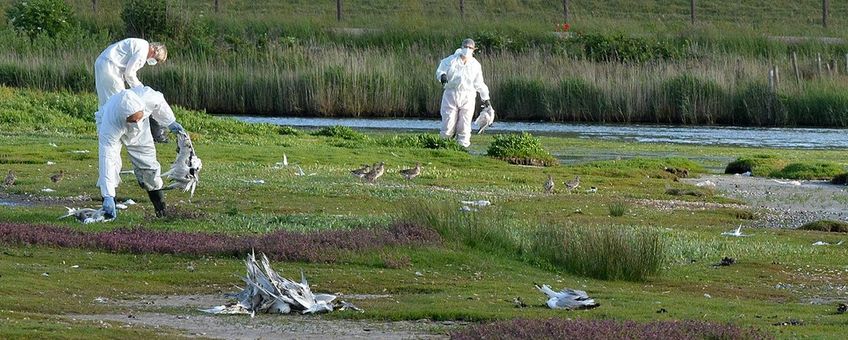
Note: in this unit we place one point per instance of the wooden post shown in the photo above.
(338, 10)
(692, 11)
(565, 10)
(818, 64)
(776, 76)
(94, 6)
(835, 67)
(462, 9)
(825, 12)
(217, 6)
(795, 66)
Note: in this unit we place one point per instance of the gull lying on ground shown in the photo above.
(567, 298)
(86, 215)
(80, 151)
(253, 181)
(268, 292)
(47, 190)
(282, 164)
(706, 184)
(185, 172)
(51, 163)
(477, 203)
(822, 243)
(735, 232)
(793, 182)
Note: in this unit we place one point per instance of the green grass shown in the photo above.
(758, 165)
(473, 276)
(813, 170)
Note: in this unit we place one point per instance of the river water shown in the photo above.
(800, 138)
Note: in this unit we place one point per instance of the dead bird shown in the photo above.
(726, 261)
(519, 303)
(361, 172)
(573, 184)
(376, 171)
(10, 178)
(485, 119)
(57, 177)
(841, 309)
(409, 174)
(185, 172)
(85, 215)
(549, 185)
(567, 298)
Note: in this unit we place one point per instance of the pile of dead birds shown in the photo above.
(266, 291)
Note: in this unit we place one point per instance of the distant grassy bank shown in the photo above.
(295, 59)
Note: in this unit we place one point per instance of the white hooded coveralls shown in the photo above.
(118, 63)
(465, 80)
(113, 130)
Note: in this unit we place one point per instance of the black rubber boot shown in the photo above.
(157, 197)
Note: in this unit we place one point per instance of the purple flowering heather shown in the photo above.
(323, 246)
(606, 329)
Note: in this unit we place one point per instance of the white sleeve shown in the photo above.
(139, 52)
(164, 115)
(443, 68)
(480, 86)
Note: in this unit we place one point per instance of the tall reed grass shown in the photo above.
(607, 253)
(336, 81)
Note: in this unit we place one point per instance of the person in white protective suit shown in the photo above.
(462, 77)
(119, 64)
(124, 120)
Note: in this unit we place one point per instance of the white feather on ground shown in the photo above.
(268, 292)
(735, 232)
(185, 172)
(485, 119)
(567, 298)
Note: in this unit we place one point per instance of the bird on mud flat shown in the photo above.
(567, 298)
(573, 184)
(10, 178)
(409, 174)
(361, 172)
(735, 232)
(57, 177)
(549, 185)
(376, 171)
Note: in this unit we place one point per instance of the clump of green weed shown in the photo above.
(521, 149)
(289, 131)
(817, 170)
(617, 209)
(425, 141)
(758, 165)
(826, 225)
(341, 132)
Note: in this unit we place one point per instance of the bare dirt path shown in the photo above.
(179, 314)
(782, 203)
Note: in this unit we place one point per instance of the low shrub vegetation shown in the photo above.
(758, 165)
(323, 246)
(341, 132)
(808, 171)
(424, 141)
(521, 149)
(606, 329)
(827, 226)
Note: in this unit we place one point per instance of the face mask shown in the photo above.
(467, 52)
(151, 61)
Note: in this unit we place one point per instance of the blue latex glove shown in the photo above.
(109, 207)
(176, 128)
